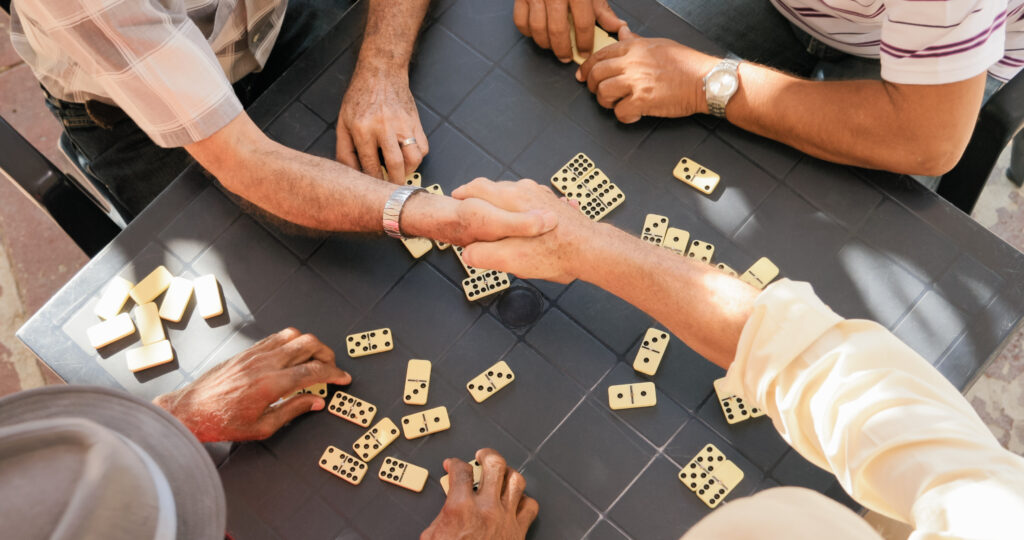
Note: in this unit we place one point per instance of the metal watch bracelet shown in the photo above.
(393, 210)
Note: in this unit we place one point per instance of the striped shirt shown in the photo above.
(168, 64)
(920, 41)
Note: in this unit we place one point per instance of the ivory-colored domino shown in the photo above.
(427, 422)
(417, 382)
(477, 471)
(376, 439)
(318, 389)
(470, 270)
(403, 474)
(702, 251)
(109, 331)
(733, 406)
(369, 342)
(652, 349)
(696, 175)
(601, 40)
(727, 269)
(152, 285)
(655, 227)
(114, 296)
(490, 381)
(342, 465)
(147, 320)
(632, 396)
(578, 165)
(564, 181)
(592, 206)
(414, 179)
(485, 284)
(710, 475)
(176, 300)
(599, 184)
(351, 408)
(417, 246)
(761, 273)
(148, 356)
(208, 301)
(676, 240)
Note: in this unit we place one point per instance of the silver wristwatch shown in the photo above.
(720, 84)
(393, 210)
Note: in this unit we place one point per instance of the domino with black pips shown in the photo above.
(318, 389)
(403, 474)
(655, 227)
(727, 269)
(710, 475)
(651, 351)
(376, 439)
(343, 465)
(369, 342)
(424, 423)
(470, 270)
(696, 175)
(477, 471)
(676, 240)
(490, 381)
(632, 396)
(761, 273)
(485, 284)
(734, 408)
(578, 165)
(701, 251)
(351, 408)
(417, 382)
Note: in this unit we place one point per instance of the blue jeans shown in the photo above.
(111, 149)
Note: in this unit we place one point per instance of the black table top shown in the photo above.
(873, 245)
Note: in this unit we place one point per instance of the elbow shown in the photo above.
(934, 157)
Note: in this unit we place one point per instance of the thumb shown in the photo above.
(524, 224)
(286, 411)
(490, 255)
(625, 34)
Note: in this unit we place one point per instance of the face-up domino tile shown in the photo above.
(565, 182)
(470, 270)
(343, 465)
(427, 422)
(370, 342)
(655, 227)
(114, 296)
(734, 407)
(579, 164)
(761, 273)
(593, 207)
(676, 240)
(403, 474)
(414, 179)
(652, 349)
(103, 334)
(318, 389)
(696, 175)
(351, 408)
(485, 284)
(710, 475)
(477, 471)
(376, 439)
(417, 246)
(417, 382)
(152, 285)
(702, 251)
(727, 269)
(632, 396)
(490, 381)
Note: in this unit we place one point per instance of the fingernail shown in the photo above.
(565, 60)
(579, 74)
(318, 405)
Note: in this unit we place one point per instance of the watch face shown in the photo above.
(722, 83)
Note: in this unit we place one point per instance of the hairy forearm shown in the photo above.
(391, 30)
(702, 306)
(912, 129)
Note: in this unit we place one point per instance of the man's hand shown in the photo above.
(498, 511)
(547, 22)
(378, 111)
(647, 77)
(551, 256)
(235, 401)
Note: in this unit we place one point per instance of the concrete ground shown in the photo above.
(37, 258)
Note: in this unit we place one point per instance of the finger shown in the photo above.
(524, 224)
(602, 71)
(307, 374)
(412, 156)
(393, 158)
(479, 188)
(612, 90)
(282, 413)
(628, 111)
(421, 140)
(303, 348)
(558, 29)
(494, 255)
(460, 478)
(539, 24)
(521, 16)
(492, 472)
(366, 147)
(515, 484)
(612, 51)
(344, 149)
(625, 34)
(528, 509)
(275, 340)
(583, 23)
(608, 19)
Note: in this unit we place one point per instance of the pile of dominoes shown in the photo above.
(156, 348)
(581, 181)
(352, 468)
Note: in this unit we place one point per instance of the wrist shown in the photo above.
(588, 250)
(702, 68)
(175, 404)
(425, 215)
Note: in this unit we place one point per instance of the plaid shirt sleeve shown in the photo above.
(149, 57)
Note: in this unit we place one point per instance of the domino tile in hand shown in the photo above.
(761, 273)
(676, 240)
(696, 175)
(490, 381)
(655, 227)
(485, 284)
(152, 285)
(601, 40)
(427, 422)
(702, 251)
(149, 356)
(351, 408)
(208, 301)
(403, 474)
(376, 439)
(417, 382)
(103, 334)
(343, 466)
(147, 320)
(114, 296)
(179, 292)
(369, 342)
(446, 483)
(733, 406)
(710, 476)
(414, 179)
(652, 349)
(632, 396)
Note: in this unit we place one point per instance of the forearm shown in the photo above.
(702, 306)
(391, 30)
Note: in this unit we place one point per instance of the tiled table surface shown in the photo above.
(494, 105)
